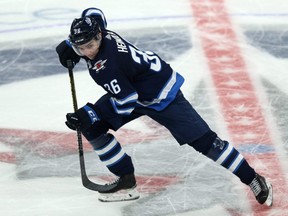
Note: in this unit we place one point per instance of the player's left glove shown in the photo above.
(66, 52)
(83, 118)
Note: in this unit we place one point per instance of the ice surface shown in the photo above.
(39, 163)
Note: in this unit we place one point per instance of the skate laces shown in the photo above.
(255, 186)
(114, 182)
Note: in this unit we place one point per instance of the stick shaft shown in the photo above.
(85, 181)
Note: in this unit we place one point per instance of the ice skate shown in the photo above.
(262, 190)
(124, 190)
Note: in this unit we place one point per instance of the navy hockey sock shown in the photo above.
(112, 155)
(223, 153)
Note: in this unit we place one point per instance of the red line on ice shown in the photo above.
(238, 100)
(7, 157)
(48, 143)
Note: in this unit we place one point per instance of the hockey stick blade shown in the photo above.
(85, 181)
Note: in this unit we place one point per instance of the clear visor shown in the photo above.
(97, 38)
(75, 48)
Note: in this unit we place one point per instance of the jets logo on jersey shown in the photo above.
(99, 65)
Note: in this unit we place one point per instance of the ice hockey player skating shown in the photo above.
(140, 83)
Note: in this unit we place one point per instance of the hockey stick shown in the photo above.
(85, 181)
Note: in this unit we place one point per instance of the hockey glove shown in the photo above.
(83, 118)
(66, 52)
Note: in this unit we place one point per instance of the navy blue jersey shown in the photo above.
(133, 78)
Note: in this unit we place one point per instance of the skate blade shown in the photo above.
(269, 200)
(119, 196)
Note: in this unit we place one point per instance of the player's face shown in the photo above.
(91, 48)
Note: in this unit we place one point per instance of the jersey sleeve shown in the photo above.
(123, 97)
(117, 105)
(124, 106)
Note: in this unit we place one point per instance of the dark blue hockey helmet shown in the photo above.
(84, 30)
(97, 14)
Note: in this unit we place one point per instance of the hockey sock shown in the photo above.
(223, 153)
(112, 155)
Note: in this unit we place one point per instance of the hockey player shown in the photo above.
(140, 83)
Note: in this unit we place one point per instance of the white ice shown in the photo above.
(41, 104)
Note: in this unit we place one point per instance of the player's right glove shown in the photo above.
(83, 118)
(66, 52)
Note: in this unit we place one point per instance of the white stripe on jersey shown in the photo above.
(163, 94)
(117, 103)
(168, 86)
(130, 98)
(126, 111)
